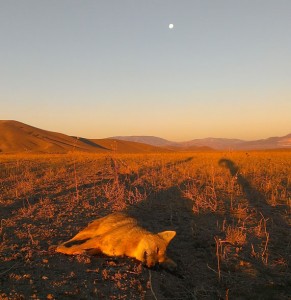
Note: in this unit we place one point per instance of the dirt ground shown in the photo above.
(231, 214)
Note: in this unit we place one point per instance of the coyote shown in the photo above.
(118, 234)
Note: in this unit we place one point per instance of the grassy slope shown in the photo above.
(17, 137)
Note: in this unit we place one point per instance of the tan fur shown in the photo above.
(118, 234)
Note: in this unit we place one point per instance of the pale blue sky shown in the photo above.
(103, 68)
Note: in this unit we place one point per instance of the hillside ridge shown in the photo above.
(18, 137)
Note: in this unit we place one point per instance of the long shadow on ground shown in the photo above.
(278, 244)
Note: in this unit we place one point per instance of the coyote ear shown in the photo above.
(167, 235)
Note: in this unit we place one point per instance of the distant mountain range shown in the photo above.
(150, 140)
(214, 143)
(18, 137)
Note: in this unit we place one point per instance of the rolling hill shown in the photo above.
(17, 137)
(150, 140)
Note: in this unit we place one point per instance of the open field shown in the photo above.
(231, 212)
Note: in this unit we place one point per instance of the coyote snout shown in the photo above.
(118, 234)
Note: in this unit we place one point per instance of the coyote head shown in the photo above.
(154, 249)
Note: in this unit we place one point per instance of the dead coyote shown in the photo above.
(118, 234)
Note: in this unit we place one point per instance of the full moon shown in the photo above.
(171, 26)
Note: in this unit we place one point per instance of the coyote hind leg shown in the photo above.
(81, 246)
(87, 233)
(69, 250)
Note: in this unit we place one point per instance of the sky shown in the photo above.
(102, 68)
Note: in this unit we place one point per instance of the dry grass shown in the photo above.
(231, 212)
